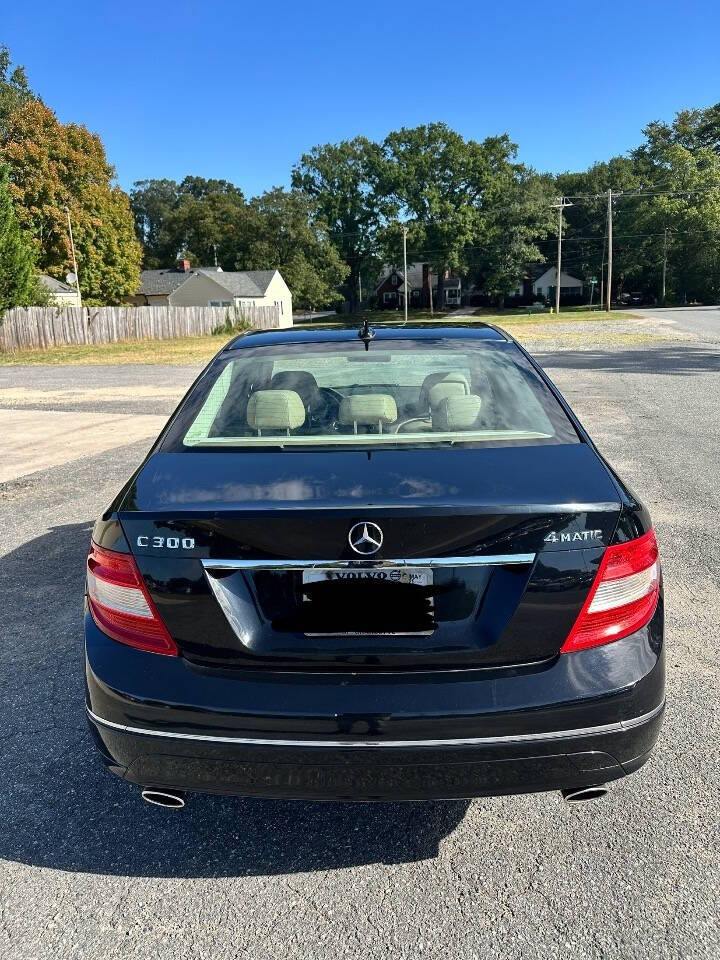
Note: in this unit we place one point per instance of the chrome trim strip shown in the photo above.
(502, 559)
(618, 727)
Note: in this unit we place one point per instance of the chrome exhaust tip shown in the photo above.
(580, 794)
(171, 799)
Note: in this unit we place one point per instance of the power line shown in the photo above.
(631, 194)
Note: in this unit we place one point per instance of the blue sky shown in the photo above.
(239, 90)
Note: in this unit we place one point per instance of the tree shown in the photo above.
(209, 225)
(691, 129)
(585, 232)
(453, 195)
(288, 235)
(56, 167)
(151, 202)
(685, 215)
(14, 89)
(514, 223)
(204, 219)
(18, 279)
(667, 210)
(343, 179)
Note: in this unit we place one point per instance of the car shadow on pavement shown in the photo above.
(61, 808)
(680, 360)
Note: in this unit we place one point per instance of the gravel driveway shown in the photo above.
(87, 870)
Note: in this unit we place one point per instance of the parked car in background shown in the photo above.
(386, 565)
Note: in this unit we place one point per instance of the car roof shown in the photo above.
(324, 333)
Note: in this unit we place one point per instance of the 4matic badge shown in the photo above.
(581, 536)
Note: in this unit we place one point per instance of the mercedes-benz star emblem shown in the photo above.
(365, 538)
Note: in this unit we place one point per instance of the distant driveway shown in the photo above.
(51, 416)
(703, 321)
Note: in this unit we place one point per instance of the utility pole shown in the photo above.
(214, 246)
(664, 269)
(405, 276)
(561, 204)
(608, 299)
(359, 289)
(72, 247)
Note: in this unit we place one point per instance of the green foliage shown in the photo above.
(14, 89)
(286, 234)
(209, 220)
(204, 219)
(691, 129)
(667, 190)
(235, 322)
(18, 280)
(344, 180)
(151, 202)
(514, 224)
(468, 206)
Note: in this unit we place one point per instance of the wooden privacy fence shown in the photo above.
(28, 328)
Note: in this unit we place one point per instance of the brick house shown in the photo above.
(390, 291)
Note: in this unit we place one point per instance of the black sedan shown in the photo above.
(385, 564)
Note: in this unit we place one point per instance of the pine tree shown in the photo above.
(18, 280)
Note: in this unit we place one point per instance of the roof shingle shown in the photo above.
(240, 283)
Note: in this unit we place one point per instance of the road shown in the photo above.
(702, 321)
(87, 870)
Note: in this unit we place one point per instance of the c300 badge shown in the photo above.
(173, 543)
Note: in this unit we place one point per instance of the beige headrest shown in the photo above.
(448, 388)
(368, 408)
(456, 413)
(275, 410)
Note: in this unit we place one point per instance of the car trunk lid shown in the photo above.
(486, 554)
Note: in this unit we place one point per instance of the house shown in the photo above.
(390, 291)
(61, 294)
(181, 286)
(541, 284)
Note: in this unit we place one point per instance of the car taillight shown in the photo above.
(623, 597)
(120, 604)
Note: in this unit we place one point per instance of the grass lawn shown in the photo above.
(183, 350)
(499, 317)
(195, 350)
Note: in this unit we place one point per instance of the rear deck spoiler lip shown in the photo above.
(503, 559)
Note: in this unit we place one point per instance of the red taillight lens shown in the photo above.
(623, 597)
(120, 604)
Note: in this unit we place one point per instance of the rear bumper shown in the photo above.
(584, 719)
(408, 772)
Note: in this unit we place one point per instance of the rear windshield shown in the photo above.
(399, 393)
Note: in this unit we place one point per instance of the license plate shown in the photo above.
(356, 577)
(413, 576)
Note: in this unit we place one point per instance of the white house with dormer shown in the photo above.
(544, 281)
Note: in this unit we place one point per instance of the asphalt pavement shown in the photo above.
(87, 870)
(702, 321)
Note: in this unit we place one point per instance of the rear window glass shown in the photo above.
(399, 393)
